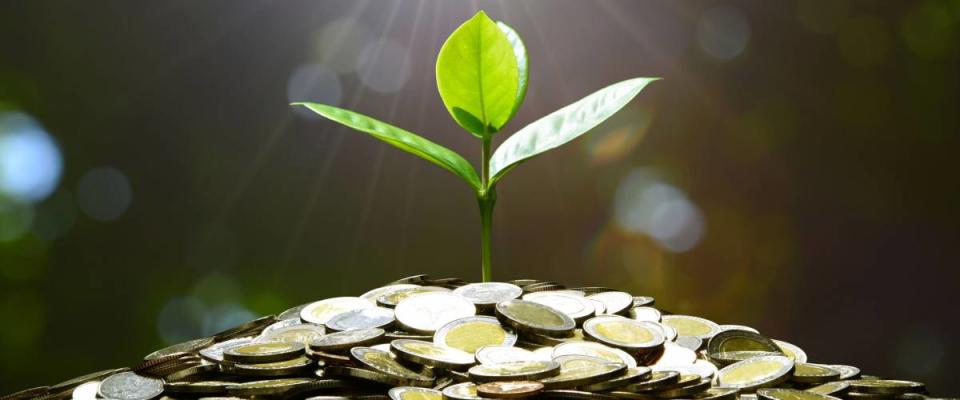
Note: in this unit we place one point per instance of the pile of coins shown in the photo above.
(428, 339)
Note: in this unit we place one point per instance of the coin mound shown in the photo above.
(424, 338)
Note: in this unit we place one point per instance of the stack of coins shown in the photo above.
(428, 339)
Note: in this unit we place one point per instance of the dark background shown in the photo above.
(814, 142)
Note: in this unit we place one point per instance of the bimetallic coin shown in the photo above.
(886, 386)
(391, 299)
(614, 302)
(577, 307)
(703, 368)
(688, 386)
(86, 391)
(674, 355)
(595, 350)
(568, 394)
(488, 294)
(514, 371)
(716, 393)
(631, 376)
(471, 333)
(669, 333)
(375, 294)
(835, 388)
(624, 333)
(252, 328)
(300, 333)
(645, 314)
(263, 352)
(687, 325)
(813, 373)
(365, 318)
(273, 387)
(791, 394)
(292, 313)
(643, 301)
(214, 353)
(197, 388)
(755, 373)
(510, 390)
(386, 363)
(428, 312)
(322, 311)
(461, 391)
(185, 347)
(347, 339)
(547, 340)
(790, 350)
(533, 317)
(689, 342)
(430, 354)
(577, 370)
(414, 393)
(734, 345)
(499, 354)
(415, 279)
(658, 380)
(130, 386)
(846, 371)
(296, 366)
(728, 327)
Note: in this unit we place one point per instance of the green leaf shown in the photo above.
(401, 139)
(477, 76)
(563, 125)
(523, 70)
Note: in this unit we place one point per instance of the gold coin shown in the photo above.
(534, 317)
(577, 370)
(755, 372)
(813, 373)
(320, 312)
(886, 386)
(414, 393)
(624, 333)
(510, 390)
(687, 325)
(514, 371)
(471, 333)
(791, 394)
(434, 355)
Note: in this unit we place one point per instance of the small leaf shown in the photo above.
(523, 70)
(477, 76)
(401, 139)
(563, 125)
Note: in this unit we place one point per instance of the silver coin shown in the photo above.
(428, 312)
(214, 352)
(595, 350)
(462, 391)
(488, 294)
(319, 312)
(410, 392)
(130, 386)
(645, 314)
(503, 354)
(375, 294)
(376, 317)
(300, 333)
(347, 339)
(688, 325)
(614, 302)
(732, 327)
(577, 307)
(86, 391)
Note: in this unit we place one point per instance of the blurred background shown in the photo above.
(795, 170)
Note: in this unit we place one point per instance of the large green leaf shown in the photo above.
(477, 76)
(401, 139)
(563, 125)
(523, 70)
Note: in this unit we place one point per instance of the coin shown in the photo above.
(689, 385)
(534, 317)
(510, 390)
(374, 294)
(488, 294)
(199, 387)
(251, 328)
(790, 394)
(716, 393)
(831, 388)
(687, 325)
(813, 373)
(730, 346)
(498, 354)
(273, 387)
(645, 314)
(658, 380)
(292, 313)
(624, 333)
(886, 386)
(728, 327)
(299, 333)
(214, 353)
(595, 350)
(755, 372)
(614, 302)
(703, 368)
(514, 371)
(414, 393)
(296, 366)
(578, 308)
(471, 333)
(185, 347)
(632, 375)
(428, 312)
(690, 342)
(93, 376)
(364, 318)
(790, 350)
(578, 370)
(392, 298)
(130, 386)
(430, 354)
(386, 363)
(846, 371)
(416, 279)
(320, 312)
(347, 339)
(547, 340)
(642, 301)
(462, 391)
(576, 394)
(262, 352)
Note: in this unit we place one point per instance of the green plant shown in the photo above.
(482, 79)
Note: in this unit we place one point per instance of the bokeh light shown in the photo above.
(928, 29)
(181, 319)
(724, 32)
(338, 44)
(384, 66)
(645, 204)
(104, 194)
(864, 41)
(15, 220)
(626, 131)
(30, 161)
(314, 83)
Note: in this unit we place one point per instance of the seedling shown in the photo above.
(482, 78)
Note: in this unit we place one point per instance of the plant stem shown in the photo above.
(486, 198)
